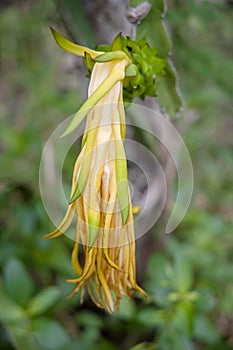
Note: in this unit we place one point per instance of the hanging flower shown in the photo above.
(100, 199)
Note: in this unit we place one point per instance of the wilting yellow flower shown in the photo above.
(100, 199)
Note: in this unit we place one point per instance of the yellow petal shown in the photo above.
(86, 164)
(109, 300)
(74, 259)
(93, 225)
(121, 111)
(122, 182)
(66, 222)
(115, 75)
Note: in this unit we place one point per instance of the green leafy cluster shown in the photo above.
(145, 68)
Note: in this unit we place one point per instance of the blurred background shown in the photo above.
(188, 274)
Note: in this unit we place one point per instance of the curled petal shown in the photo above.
(66, 222)
(115, 75)
(74, 259)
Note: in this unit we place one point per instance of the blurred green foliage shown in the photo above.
(154, 30)
(190, 281)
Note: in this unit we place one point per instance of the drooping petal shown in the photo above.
(85, 168)
(65, 224)
(121, 176)
(68, 46)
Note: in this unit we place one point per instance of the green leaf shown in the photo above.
(144, 346)
(183, 317)
(50, 334)
(10, 311)
(21, 336)
(18, 282)
(169, 95)
(183, 276)
(151, 317)
(89, 319)
(206, 300)
(126, 310)
(44, 300)
(153, 29)
(205, 330)
(172, 338)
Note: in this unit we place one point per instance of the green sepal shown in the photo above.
(89, 62)
(135, 80)
(131, 71)
(132, 46)
(104, 48)
(147, 52)
(117, 43)
(144, 64)
(68, 46)
(111, 56)
(151, 90)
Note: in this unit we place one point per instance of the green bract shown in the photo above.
(145, 66)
